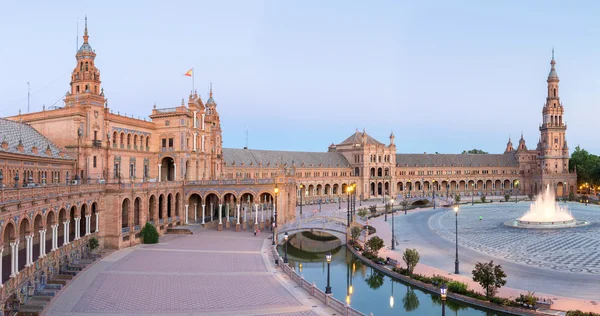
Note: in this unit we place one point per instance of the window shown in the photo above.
(164, 142)
(170, 142)
(117, 170)
(94, 163)
(95, 135)
(77, 89)
(131, 170)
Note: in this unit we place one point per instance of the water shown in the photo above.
(368, 290)
(545, 209)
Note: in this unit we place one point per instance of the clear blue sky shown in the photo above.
(300, 75)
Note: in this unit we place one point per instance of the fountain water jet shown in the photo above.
(546, 213)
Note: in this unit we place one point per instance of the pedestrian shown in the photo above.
(255, 232)
(480, 217)
(258, 231)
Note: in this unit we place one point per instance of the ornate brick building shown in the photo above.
(79, 171)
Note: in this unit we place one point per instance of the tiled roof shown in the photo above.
(448, 160)
(252, 157)
(14, 132)
(356, 138)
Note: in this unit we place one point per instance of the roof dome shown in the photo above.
(210, 101)
(85, 48)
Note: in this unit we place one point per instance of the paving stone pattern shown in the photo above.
(214, 273)
(574, 250)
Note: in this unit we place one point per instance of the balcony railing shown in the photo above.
(170, 219)
(97, 143)
(125, 230)
(177, 218)
(151, 222)
(136, 228)
(161, 221)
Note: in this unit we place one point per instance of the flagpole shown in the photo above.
(193, 74)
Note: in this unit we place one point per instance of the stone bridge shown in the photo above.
(333, 225)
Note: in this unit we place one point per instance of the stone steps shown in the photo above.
(179, 231)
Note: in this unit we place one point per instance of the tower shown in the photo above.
(215, 146)
(509, 146)
(554, 152)
(85, 79)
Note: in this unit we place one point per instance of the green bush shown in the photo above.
(580, 313)
(149, 234)
(93, 243)
(482, 199)
(400, 270)
(457, 287)
(439, 280)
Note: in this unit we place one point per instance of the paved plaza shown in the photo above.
(208, 273)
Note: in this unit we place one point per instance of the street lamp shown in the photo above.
(301, 193)
(472, 193)
(423, 186)
(276, 190)
(285, 238)
(443, 295)
(273, 229)
(328, 288)
(434, 185)
(409, 188)
(456, 261)
(348, 191)
(393, 235)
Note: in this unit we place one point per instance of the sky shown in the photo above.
(443, 76)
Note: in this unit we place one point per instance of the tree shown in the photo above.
(405, 204)
(411, 258)
(355, 232)
(482, 199)
(507, 196)
(475, 152)
(149, 234)
(410, 300)
(491, 277)
(93, 243)
(457, 198)
(362, 212)
(375, 280)
(374, 244)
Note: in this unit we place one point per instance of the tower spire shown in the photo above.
(210, 93)
(85, 33)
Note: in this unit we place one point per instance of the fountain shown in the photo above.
(546, 213)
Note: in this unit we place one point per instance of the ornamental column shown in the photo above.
(186, 213)
(27, 252)
(256, 214)
(13, 258)
(220, 227)
(77, 219)
(96, 222)
(195, 137)
(87, 224)
(54, 237)
(195, 212)
(203, 214)
(237, 215)
(66, 235)
(159, 172)
(42, 243)
(174, 172)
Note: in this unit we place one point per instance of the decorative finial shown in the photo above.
(85, 33)
(210, 93)
(553, 53)
(155, 105)
(181, 101)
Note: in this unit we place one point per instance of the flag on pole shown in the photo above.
(189, 73)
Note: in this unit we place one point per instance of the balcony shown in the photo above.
(125, 230)
(97, 143)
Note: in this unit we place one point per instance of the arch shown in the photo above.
(488, 185)
(38, 224)
(136, 211)
(122, 140)
(379, 188)
(72, 214)
(82, 220)
(515, 183)
(497, 185)
(195, 207)
(372, 172)
(161, 202)
(356, 171)
(62, 218)
(400, 186)
(372, 188)
(386, 188)
(9, 236)
(167, 169)
(115, 139)
(141, 142)
(128, 140)
(418, 186)
(386, 172)
(152, 209)
(327, 190)
(335, 189)
(125, 213)
(471, 185)
(507, 185)
(453, 186)
(344, 188)
(319, 191)
(93, 217)
(212, 204)
(560, 189)
(135, 142)
(379, 172)
(229, 204)
(169, 205)
(24, 230)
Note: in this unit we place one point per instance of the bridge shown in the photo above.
(332, 224)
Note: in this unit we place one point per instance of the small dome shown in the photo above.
(85, 48)
(210, 101)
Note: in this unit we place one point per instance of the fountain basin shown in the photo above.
(546, 224)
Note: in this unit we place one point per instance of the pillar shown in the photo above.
(54, 237)
(196, 213)
(77, 219)
(97, 222)
(1, 253)
(195, 137)
(13, 258)
(212, 209)
(174, 172)
(27, 253)
(238, 214)
(202, 143)
(203, 127)
(66, 230)
(42, 243)
(256, 214)
(220, 227)
(195, 120)
(87, 224)
(203, 213)
(159, 172)
(186, 213)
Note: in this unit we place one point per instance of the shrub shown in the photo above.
(580, 313)
(482, 199)
(438, 279)
(530, 196)
(149, 234)
(507, 197)
(373, 209)
(411, 258)
(355, 232)
(400, 270)
(457, 198)
(93, 243)
(362, 212)
(457, 287)
(571, 196)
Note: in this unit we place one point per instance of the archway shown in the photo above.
(560, 190)
(489, 186)
(9, 236)
(37, 226)
(24, 230)
(62, 217)
(327, 189)
(372, 188)
(266, 205)
(72, 215)
(125, 213)
(169, 206)
(161, 202)
(229, 205)
(379, 188)
(177, 204)
(82, 220)
(246, 208)
(212, 206)
(50, 221)
(195, 208)
(335, 189)
(93, 217)
(136, 211)
(167, 169)
(152, 209)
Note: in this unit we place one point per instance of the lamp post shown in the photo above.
(472, 193)
(285, 238)
(423, 187)
(456, 261)
(301, 193)
(348, 191)
(447, 188)
(276, 190)
(328, 287)
(443, 295)
(409, 188)
(273, 226)
(393, 234)
(516, 191)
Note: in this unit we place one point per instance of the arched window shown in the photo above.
(81, 66)
(555, 93)
(86, 66)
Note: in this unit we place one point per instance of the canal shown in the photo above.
(369, 291)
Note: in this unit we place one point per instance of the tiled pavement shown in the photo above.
(208, 273)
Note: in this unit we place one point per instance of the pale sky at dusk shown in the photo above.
(299, 75)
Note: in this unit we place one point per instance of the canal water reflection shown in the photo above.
(369, 291)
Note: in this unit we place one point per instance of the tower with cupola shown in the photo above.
(214, 145)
